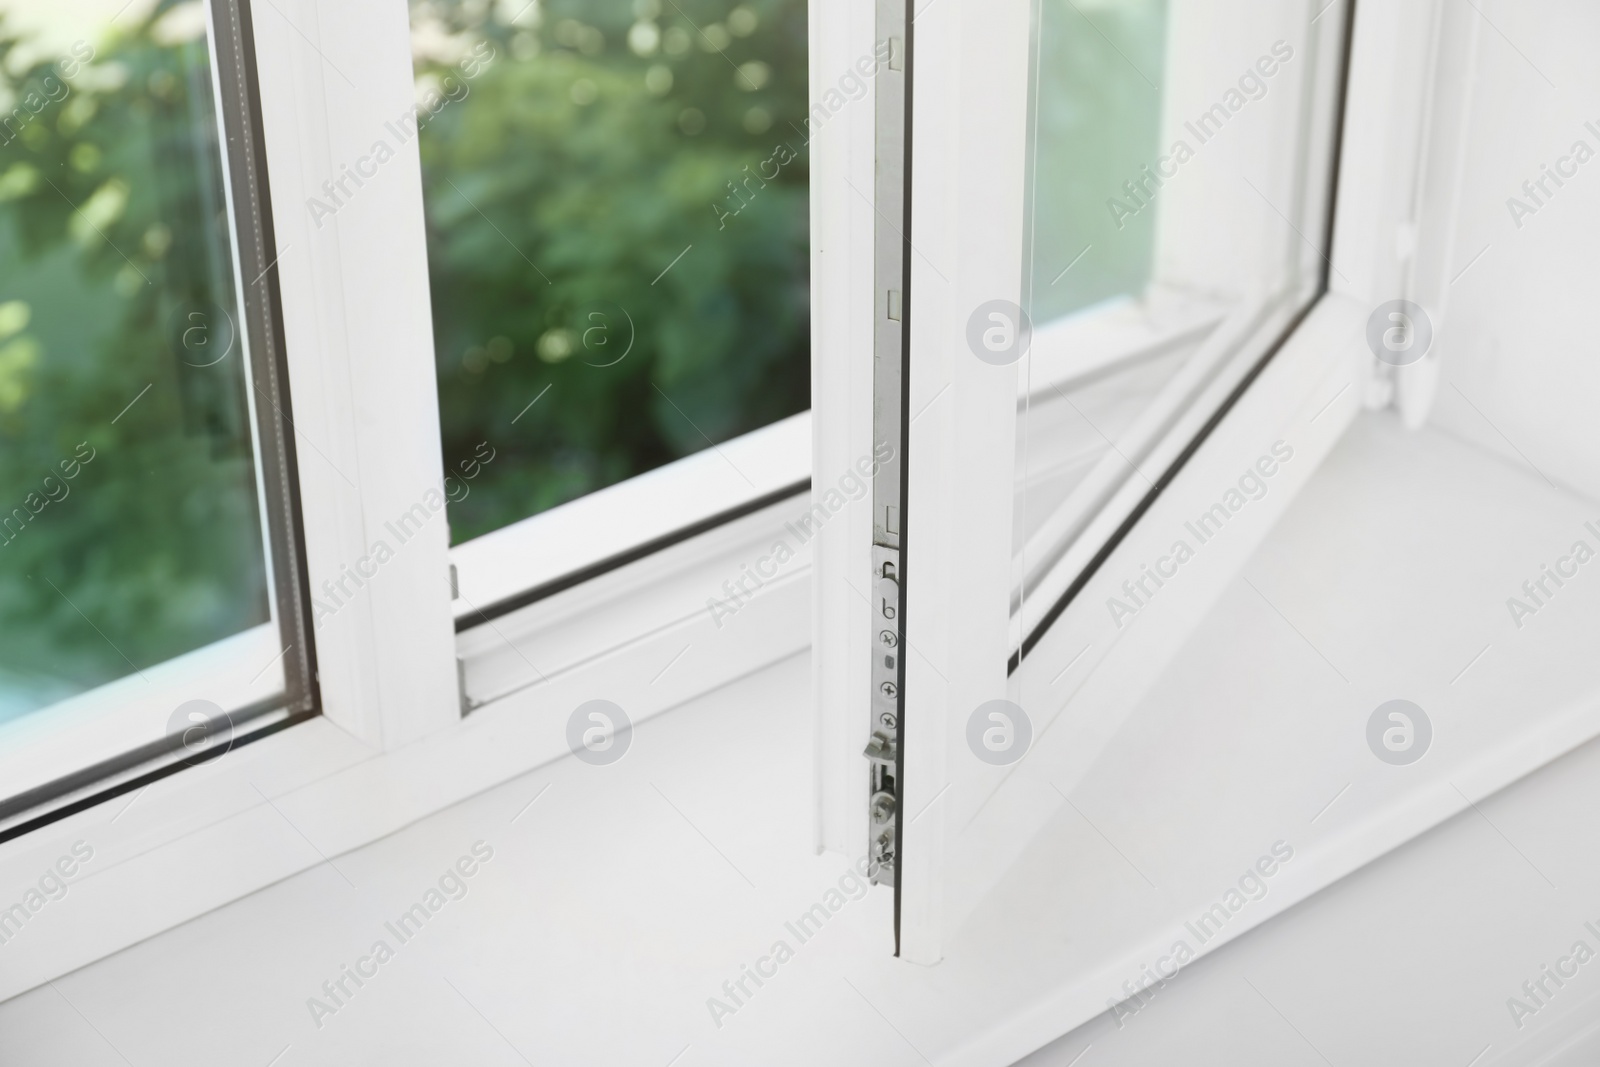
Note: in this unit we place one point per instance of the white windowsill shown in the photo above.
(690, 856)
(189, 843)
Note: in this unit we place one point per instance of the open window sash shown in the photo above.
(1004, 596)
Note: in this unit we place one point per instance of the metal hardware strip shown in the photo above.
(888, 438)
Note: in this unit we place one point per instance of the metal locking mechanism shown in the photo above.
(890, 300)
(883, 746)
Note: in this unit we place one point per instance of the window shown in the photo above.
(1278, 311)
(1043, 424)
(616, 198)
(1303, 498)
(615, 236)
(1180, 172)
(150, 591)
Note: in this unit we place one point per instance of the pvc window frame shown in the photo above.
(956, 630)
(392, 744)
(1235, 306)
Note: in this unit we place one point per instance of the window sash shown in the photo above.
(969, 135)
(89, 747)
(550, 552)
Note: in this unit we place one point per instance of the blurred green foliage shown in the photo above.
(601, 142)
(112, 221)
(1096, 121)
(603, 139)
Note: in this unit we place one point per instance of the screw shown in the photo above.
(888, 638)
(888, 720)
(889, 690)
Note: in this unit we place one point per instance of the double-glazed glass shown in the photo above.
(1178, 181)
(145, 556)
(616, 197)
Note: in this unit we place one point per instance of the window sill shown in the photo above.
(735, 766)
(642, 637)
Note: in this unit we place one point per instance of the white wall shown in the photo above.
(1519, 341)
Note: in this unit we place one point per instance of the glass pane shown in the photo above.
(616, 198)
(1097, 121)
(134, 568)
(1176, 209)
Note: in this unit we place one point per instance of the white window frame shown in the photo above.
(1249, 293)
(392, 743)
(588, 533)
(100, 726)
(959, 502)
